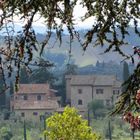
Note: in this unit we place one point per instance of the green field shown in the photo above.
(119, 129)
(15, 129)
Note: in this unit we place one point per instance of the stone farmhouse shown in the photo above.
(82, 89)
(34, 101)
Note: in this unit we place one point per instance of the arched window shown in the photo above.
(80, 102)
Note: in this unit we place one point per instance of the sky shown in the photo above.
(79, 11)
(40, 27)
(39, 24)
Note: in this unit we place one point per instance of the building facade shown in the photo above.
(82, 89)
(34, 101)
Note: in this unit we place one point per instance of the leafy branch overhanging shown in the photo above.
(111, 19)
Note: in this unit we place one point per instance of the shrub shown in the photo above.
(69, 126)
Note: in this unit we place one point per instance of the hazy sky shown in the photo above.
(79, 11)
(91, 55)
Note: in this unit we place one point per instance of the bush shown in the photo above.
(5, 134)
(69, 126)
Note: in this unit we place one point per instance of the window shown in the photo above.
(49, 97)
(35, 113)
(38, 97)
(79, 91)
(80, 102)
(99, 91)
(116, 92)
(25, 97)
(42, 117)
(107, 102)
(16, 97)
(48, 113)
(22, 114)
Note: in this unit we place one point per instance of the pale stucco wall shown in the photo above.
(68, 88)
(89, 93)
(30, 116)
(85, 96)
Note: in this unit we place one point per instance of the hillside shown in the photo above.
(80, 57)
(92, 53)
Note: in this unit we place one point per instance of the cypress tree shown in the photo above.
(125, 75)
(25, 134)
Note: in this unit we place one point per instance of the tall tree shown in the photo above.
(24, 76)
(98, 63)
(125, 75)
(95, 105)
(42, 75)
(2, 93)
(125, 71)
(71, 69)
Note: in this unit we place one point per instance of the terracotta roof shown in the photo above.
(33, 88)
(94, 80)
(49, 104)
(117, 84)
(105, 80)
(82, 80)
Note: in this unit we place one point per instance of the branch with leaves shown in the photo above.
(111, 20)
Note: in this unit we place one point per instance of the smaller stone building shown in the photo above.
(34, 101)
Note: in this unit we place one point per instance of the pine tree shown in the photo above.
(42, 75)
(24, 76)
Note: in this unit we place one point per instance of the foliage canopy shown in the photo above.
(69, 126)
(95, 105)
(110, 25)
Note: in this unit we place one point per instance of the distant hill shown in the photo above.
(108, 68)
(91, 55)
